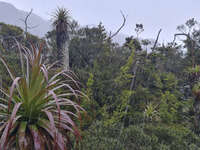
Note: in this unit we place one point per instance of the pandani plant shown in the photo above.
(39, 111)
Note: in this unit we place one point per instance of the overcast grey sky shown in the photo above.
(153, 14)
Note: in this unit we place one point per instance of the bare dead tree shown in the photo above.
(120, 28)
(154, 46)
(25, 21)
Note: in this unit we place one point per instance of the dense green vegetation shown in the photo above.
(139, 98)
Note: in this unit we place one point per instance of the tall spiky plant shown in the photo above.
(37, 112)
(62, 23)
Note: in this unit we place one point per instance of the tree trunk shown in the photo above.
(0, 82)
(134, 70)
(196, 107)
(66, 55)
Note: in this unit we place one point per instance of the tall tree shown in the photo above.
(62, 23)
(191, 31)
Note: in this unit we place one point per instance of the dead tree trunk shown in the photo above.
(66, 55)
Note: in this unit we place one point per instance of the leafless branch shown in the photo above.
(123, 24)
(154, 46)
(186, 35)
(179, 34)
(32, 27)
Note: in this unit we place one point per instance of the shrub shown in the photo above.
(38, 111)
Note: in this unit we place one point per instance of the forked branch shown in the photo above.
(26, 22)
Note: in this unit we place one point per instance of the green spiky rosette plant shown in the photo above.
(39, 111)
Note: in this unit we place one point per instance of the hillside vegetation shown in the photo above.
(127, 97)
